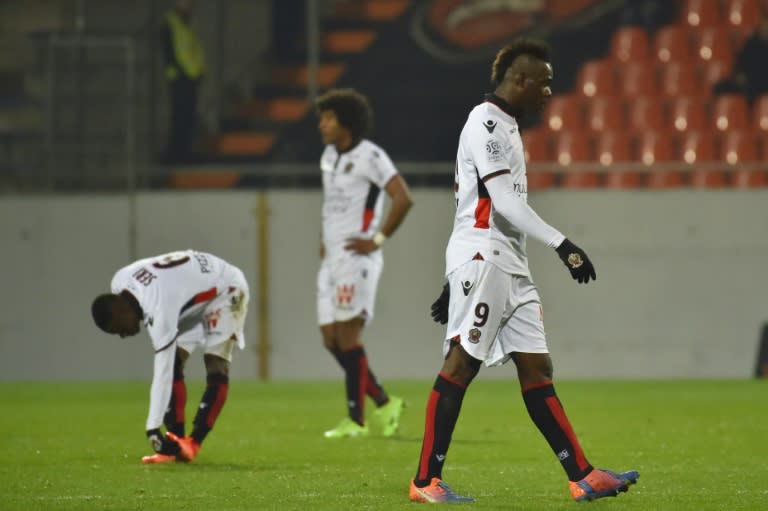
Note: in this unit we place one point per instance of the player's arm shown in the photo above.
(401, 203)
(512, 207)
(160, 395)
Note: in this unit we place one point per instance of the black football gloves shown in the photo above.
(439, 309)
(162, 444)
(576, 261)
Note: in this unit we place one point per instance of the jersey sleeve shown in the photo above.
(380, 168)
(160, 392)
(492, 149)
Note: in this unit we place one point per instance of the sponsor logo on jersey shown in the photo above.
(144, 276)
(466, 286)
(513, 130)
(520, 188)
(474, 335)
(149, 321)
(490, 125)
(344, 294)
(494, 151)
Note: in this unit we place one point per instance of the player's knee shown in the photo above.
(179, 363)
(216, 365)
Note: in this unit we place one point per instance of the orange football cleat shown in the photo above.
(189, 448)
(602, 483)
(435, 493)
(158, 458)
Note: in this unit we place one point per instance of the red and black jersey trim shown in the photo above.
(370, 206)
(483, 208)
(205, 296)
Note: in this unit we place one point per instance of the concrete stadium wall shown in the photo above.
(681, 293)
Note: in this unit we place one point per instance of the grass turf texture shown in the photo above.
(699, 445)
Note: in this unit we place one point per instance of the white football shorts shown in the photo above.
(221, 327)
(346, 288)
(494, 313)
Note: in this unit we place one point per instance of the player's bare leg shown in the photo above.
(534, 371)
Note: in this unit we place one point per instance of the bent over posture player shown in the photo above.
(186, 300)
(493, 307)
(355, 170)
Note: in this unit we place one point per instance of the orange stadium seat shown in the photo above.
(646, 113)
(564, 112)
(700, 13)
(729, 112)
(638, 79)
(629, 44)
(712, 43)
(687, 113)
(739, 147)
(606, 113)
(680, 79)
(715, 70)
(699, 147)
(672, 43)
(614, 148)
(536, 144)
(596, 78)
(743, 14)
(760, 114)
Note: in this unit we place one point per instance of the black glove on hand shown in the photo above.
(576, 261)
(162, 444)
(439, 309)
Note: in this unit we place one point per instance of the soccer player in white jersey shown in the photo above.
(355, 171)
(494, 312)
(186, 300)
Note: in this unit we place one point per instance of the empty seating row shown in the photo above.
(706, 13)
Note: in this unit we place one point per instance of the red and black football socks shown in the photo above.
(174, 414)
(213, 400)
(373, 389)
(443, 407)
(548, 414)
(355, 365)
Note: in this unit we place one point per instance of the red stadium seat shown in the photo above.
(760, 114)
(606, 113)
(738, 147)
(698, 147)
(564, 113)
(630, 44)
(646, 113)
(729, 112)
(536, 145)
(654, 147)
(700, 13)
(712, 43)
(715, 70)
(680, 79)
(687, 113)
(638, 79)
(612, 149)
(743, 13)
(576, 147)
(672, 43)
(596, 78)
(750, 178)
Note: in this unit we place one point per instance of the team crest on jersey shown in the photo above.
(348, 167)
(474, 335)
(490, 125)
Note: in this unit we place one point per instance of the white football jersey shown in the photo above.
(489, 143)
(352, 193)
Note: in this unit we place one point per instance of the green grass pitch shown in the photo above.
(699, 445)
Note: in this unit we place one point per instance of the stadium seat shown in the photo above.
(630, 44)
(700, 13)
(680, 79)
(738, 147)
(760, 114)
(638, 79)
(687, 113)
(613, 148)
(712, 43)
(696, 147)
(536, 145)
(606, 113)
(564, 112)
(713, 71)
(729, 112)
(576, 147)
(596, 78)
(646, 113)
(654, 147)
(743, 13)
(749, 178)
(672, 43)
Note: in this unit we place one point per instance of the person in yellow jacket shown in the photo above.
(184, 68)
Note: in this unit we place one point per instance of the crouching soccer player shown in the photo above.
(186, 300)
